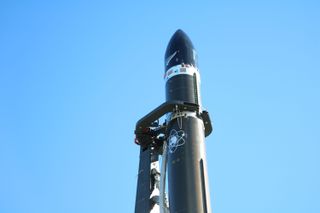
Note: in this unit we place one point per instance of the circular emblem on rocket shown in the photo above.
(175, 139)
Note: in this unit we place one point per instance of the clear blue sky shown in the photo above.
(75, 76)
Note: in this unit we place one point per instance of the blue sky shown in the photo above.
(75, 76)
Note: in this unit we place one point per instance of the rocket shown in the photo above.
(187, 173)
(180, 140)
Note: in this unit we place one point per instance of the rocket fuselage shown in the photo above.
(187, 170)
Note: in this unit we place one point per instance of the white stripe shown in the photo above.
(181, 70)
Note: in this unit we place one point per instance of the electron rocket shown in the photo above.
(180, 140)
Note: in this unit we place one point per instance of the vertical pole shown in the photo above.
(143, 203)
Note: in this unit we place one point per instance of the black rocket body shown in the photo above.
(187, 168)
(181, 72)
(180, 139)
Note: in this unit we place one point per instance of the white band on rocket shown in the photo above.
(181, 69)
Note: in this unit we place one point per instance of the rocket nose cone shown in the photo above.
(180, 50)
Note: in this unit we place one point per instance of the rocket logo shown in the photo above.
(175, 140)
